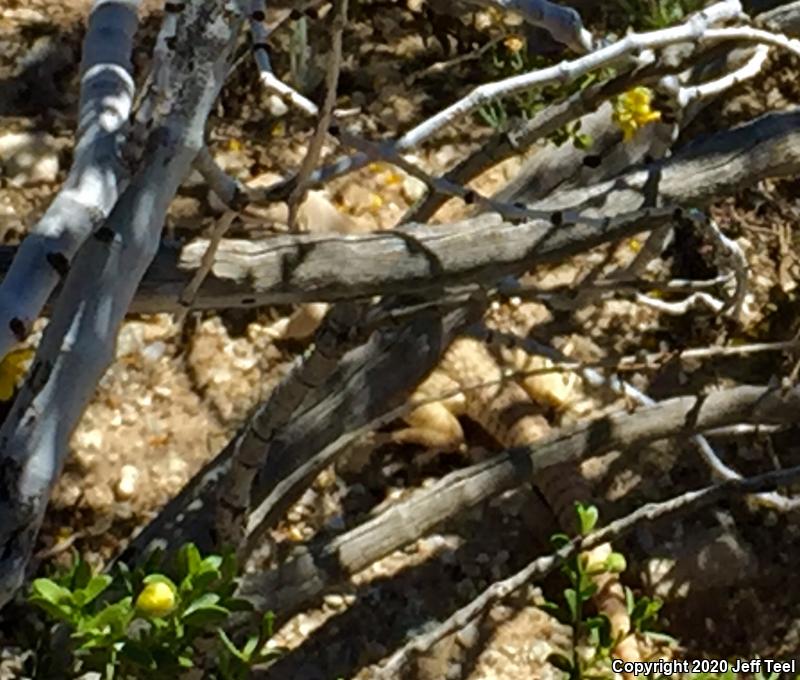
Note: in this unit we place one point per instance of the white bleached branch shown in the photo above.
(78, 344)
(268, 79)
(639, 44)
(688, 94)
(694, 30)
(563, 23)
(95, 180)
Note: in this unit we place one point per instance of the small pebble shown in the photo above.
(126, 486)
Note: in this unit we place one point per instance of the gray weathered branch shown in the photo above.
(293, 584)
(78, 344)
(95, 180)
(305, 268)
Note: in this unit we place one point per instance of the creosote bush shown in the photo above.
(149, 621)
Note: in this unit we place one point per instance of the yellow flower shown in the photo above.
(514, 43)
(633, 110)
(156, 600)
(12, 370)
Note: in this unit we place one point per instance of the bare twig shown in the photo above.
(690, 501)
(189, 294)
(326, 113)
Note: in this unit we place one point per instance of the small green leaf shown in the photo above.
(236, 604)
(205, 611)
(250, 647)
(59, 612)
(116, 616)
(211, 563)
(585, 582)
(189, 560)
(230, 646)
(561, 662)
(229, 567)
(267, 625)
(571, 598)
(587, 591)
(49, 590)
(549, 606)
(616, 563)
(587, 517)
(205, 600)
(95, 586)
(81, 575)
(200, 582)
(630, 602)
(601, 626)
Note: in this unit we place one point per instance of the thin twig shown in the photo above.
(325, 115)
(690, 501)
(189, 294)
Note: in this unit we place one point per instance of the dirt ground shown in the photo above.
(174, 396)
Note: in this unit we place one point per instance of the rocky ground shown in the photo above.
(175, 395)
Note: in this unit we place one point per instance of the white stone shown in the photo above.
(126, 486)
(89, 439)
(276, 106)
(154, 351)
(28, 158)
(413, 189)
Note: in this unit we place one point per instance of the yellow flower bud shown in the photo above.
(156, 600)
(633, 110)
(12, 370)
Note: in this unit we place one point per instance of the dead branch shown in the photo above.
(78, 344)
(293, 584)
(366, 384)
(484, 249)
(96, 179)
(690, 501)
(303, 267)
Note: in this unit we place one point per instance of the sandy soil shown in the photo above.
(174, 396)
